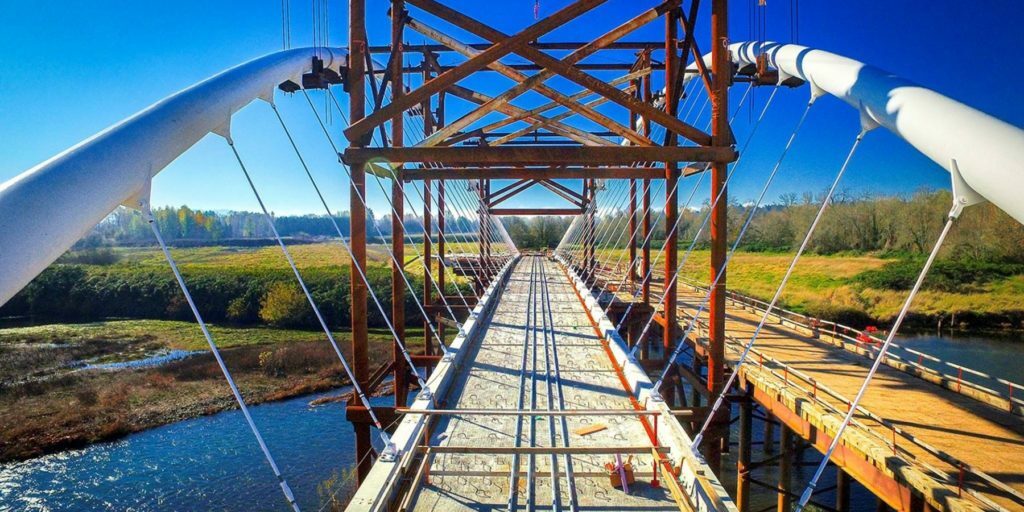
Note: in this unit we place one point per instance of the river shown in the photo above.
(213, 463)
(207, 463)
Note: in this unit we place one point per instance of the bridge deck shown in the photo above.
(986, 438)
(539, 351)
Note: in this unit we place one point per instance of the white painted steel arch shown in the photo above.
(46, 209)
(988, 152)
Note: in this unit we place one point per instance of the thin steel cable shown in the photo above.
(285, 489)
(305, 289)
(778, 292)
(309, 296)
(675, 227)
(362, 200)
(739, 237)
(394, 212)
(809, 491)
(707, 217)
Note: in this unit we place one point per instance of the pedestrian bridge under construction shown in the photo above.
(590, 376)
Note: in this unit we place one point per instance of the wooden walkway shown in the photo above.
(790, 361)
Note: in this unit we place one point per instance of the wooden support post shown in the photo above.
(721, 136)
(398, 215)
(769, 434)
(357, 228)
(743, 457)
(842, 490)
(785, 469)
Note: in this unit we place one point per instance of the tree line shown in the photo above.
(866, 223)
(853, 223)
(178, 223)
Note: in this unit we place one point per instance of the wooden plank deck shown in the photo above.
(986, 438)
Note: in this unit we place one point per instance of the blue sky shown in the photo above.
(70, 69)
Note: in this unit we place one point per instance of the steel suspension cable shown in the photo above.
(778, 292)
(675, 227)
(285, 489)
(707, 217)
(337, 105)
(387, 320)
(805, 497)
(362, 200)
(394, 213)
(732, 251)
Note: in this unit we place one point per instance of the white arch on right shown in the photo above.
(988, 152)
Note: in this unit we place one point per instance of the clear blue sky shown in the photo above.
(70, 69)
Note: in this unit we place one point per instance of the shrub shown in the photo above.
(285, 306)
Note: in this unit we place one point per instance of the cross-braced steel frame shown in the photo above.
(547, 149)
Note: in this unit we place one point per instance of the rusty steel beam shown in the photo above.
(567, 71)
(581, 95)
(562, 192)
(494, 103)
(428, 261)
(522, 186)
(671, 202)
(610, 37)
(539, 125)
(722, 137)
(647, 96)
(536, 211)
(506, 188)
(535, 155)
(357, 231)
(501, 48)
(401, 369)
(559, 45)
(562, 129)
(583, 66)
(516, 173)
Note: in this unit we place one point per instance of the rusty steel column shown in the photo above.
(631, 324)
(440, 222)
(785, 484)
(743, 456)
(357, 226)
(721, 69)
(487, 232)
(428, 260)
(440, 249)
(645, 205)
(482, 202)
(398, 216)
(842, 490)
(670, 299)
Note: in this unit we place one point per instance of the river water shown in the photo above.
(208, 463)
(213, 463)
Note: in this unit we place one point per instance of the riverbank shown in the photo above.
(52, 400)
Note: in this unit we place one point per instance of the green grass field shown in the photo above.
(827, 285)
